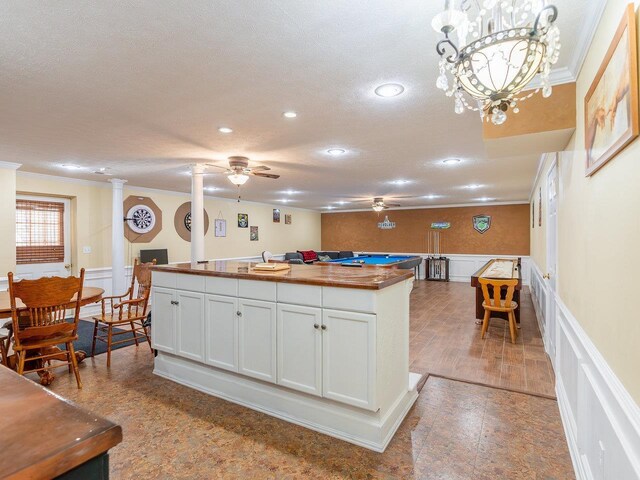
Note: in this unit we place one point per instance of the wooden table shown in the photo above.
(501, 268)
(44, 436)
(89, 295)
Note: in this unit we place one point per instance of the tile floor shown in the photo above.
(456, 430)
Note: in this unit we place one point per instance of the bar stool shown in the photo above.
(498, 304)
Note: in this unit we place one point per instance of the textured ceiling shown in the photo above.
(141, 88)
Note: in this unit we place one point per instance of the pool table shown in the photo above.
(403, 262)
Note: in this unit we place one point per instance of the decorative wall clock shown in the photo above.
(143, 219)
(182, 221)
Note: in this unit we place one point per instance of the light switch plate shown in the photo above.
(86, 249)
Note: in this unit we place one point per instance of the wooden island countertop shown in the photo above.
(322, 275)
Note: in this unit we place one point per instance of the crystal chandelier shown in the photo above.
(501, 45)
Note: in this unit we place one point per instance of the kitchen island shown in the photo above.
(325, 347)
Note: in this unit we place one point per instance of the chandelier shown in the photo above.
(501, 45)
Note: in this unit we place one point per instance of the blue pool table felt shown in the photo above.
(373, 259)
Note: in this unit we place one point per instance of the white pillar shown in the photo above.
(197, 214)
(117, 238)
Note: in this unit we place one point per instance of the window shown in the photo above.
(39, 232)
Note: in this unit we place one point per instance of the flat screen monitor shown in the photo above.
(160, 256)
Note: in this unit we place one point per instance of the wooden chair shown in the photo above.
(4, 346)
(498, 304)
(42, 323)
(128, 310)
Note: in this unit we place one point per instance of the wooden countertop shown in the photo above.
(323, 275)
(43, 435)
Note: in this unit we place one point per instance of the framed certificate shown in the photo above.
(220, 227)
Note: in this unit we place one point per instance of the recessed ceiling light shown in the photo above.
(473, 186)
(484, 199)
(284, 200)
(290, 114)
(336, 151)
(431, 196)
(329, 207)
(290, 192)
(211, 189)
(400, 182)
(342, 202)
(71, 167)
(225, 130)
(451, 161)
(389, 90)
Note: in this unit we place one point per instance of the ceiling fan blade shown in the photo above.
(265, 175)
(393, 205)
(260, 167)
(216, 166)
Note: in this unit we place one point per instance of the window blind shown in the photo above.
(39, 231)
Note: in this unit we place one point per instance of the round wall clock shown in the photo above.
(143, 219)
(182, 221)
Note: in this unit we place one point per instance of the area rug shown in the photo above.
(85, 339)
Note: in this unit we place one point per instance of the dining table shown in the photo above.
(89, 295)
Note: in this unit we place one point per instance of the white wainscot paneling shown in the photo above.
(601, 420)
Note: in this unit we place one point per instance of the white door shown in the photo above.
(300, 348)
(190, 325)
(552, 252)
(349, 358)
(38, 229)
(221, 332)
(257, 339)
(163, 327)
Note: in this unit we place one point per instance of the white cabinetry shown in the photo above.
(349, 358)
(257, 339)
(300, 348)
(190, 325)
(221, 331)
(163, 330)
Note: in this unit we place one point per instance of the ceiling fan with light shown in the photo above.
(239, 170)
(379, 204)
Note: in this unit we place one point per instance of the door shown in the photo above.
(257, 339)
(43, 237)
(221, 332)
(552, 253)
(190, 325)
(163, 330)
(349, 358)
(300, 348)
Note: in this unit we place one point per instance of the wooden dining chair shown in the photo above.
(42, 322)
(125, 314)
(499, 304)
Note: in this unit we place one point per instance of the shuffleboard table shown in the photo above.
(501, 268)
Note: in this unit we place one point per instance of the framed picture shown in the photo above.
(611, 104)
(276, 215)
(533, 213)
(221, 227)
(287, 219)
(253, 234)
(243, 220)
(540, 207)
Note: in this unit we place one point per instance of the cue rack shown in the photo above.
(437, 265)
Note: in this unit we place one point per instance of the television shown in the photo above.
(160, 255)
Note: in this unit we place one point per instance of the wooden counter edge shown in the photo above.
(67, 459)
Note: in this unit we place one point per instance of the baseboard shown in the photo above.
(600, 418)
(371, 430)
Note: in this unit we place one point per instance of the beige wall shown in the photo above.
(91, 210)
(599, 233)
(7, 218)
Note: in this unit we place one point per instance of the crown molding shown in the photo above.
(10, 165)
(427, 207)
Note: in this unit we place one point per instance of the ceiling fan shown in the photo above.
(239, 170)
(378, 204)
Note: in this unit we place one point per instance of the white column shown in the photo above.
(117, 238)
(197, 214)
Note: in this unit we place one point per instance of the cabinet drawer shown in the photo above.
(300, 294)
(194, 283)
(163, 279)
(222, 286)
(349, 299)
(257, 290)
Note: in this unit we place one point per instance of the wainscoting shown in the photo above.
(601, 420)
(462, 266)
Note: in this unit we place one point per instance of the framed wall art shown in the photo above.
(243, 220)
(220, 227)
(540, 207)
(533, 213)
(287, 219)
(253, 234)
(611, 104)
(276, 215)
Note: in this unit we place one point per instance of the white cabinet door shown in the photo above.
(190, 325)
(221, 332)
(163, 325)
(257, 339)
(349, 358)
(300, 348)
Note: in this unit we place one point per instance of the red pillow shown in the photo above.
(308, 255)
